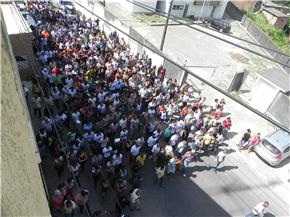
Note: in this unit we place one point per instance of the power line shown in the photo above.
(267, 118)
(187, 25)
(217, 37)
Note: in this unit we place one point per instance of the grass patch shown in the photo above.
(278, 36)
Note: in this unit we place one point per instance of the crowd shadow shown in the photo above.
(231, 135)
(198, 168)
(230, 151)
(267, 214)
(227, 168)
(179, 196)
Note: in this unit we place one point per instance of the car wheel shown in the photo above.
(220, 30)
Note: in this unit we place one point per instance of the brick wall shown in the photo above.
(22, 188)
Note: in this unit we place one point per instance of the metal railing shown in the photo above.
(183, 68)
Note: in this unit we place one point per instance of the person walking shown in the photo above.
(259, 209)
(160, 172)
(220, 158)
(135, 202)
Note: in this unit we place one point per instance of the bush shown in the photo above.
(278, 36)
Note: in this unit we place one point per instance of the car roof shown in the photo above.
(280, 139)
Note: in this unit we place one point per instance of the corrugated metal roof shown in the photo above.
(275, 12)
(14, 20)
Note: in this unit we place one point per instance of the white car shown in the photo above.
(274, 148)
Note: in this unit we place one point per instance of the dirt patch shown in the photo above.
(239, 58)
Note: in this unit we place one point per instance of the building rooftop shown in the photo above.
(15, 22)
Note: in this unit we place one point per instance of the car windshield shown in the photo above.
(270, 147)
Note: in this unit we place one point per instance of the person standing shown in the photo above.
(59, 164)
(81, 199)
(254, 140)
(245, 139)
(69, 208)
(220, 158)
(259, 209)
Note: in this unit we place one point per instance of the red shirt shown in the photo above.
(55, 71)
(57, 201)
(227, 123)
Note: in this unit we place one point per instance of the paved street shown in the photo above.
(244, 179)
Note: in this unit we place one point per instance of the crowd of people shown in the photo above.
(109, 111)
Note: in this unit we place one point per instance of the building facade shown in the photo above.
(180, 8)
(22, 189)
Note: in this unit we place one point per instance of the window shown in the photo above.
(270, 147)
(178, 7)
(210, 3)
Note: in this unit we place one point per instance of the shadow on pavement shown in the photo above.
(227, 168)
(180, 196)
(268, 214)
(231, 135)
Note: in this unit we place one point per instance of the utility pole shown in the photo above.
(202, 7)
(166, 26)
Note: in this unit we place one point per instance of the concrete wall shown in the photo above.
(208, 10)
(233, 11)
(149, 3)
(131, 7)
(22, 188)
(244, 5)
(263, 39)
(278, 22)
(195, 10)
(271, 19)
(220, 10)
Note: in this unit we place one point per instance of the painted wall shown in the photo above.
(244, 5)
(197, 11)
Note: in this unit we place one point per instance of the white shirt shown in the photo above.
(134, 197)
(107, 151)
(168, 150)
(156, 149)
(221, 156)
(151, 141)
(135, 150)
(123, 123)
(117, 159)
(259, 209)
(173, 140)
